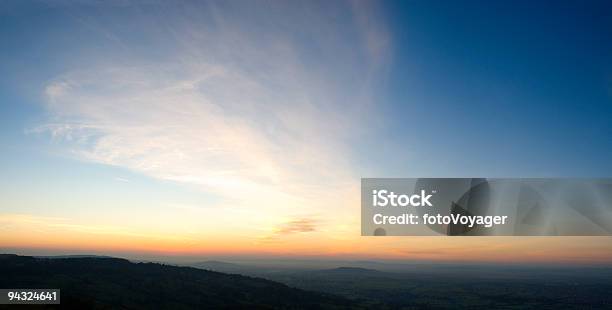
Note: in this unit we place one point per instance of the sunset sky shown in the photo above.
(242, 128)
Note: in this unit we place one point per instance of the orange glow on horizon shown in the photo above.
(579, 250)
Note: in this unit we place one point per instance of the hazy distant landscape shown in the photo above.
(103, 282)
(421, 285)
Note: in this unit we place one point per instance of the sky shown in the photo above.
(242, 128)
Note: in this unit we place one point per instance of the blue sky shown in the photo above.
(122, 114)
(506, 88)
(490, 88)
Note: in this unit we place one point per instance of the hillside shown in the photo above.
(95, 282)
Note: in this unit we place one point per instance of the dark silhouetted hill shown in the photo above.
(112, 283)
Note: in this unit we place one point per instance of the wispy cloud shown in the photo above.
(297, 226)
(255, 101)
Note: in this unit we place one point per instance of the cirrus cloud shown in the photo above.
(259, 100)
